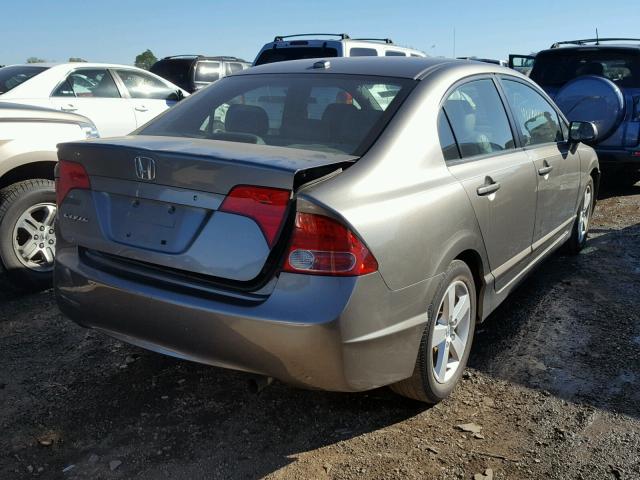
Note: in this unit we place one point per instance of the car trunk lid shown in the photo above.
(160, 201)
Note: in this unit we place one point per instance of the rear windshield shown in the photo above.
(294, 53)
(175, 70)
(329, 113)
(11, 77)
(557, 68)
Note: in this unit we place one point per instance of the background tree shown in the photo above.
(77, 59)
(35, 60)
(145, 59)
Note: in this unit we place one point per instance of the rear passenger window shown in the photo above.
(447, 140)
(478, 119)
(207, 72)
(88, 83)
(394, 53)
(536, 118)
(363, 52)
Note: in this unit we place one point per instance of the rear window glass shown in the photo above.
(294, 53)
(394, 53)
(11, 77)
(329, 113)
(623, 68)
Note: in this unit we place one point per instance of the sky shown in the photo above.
(116, 31)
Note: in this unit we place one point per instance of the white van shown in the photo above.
(294, 47)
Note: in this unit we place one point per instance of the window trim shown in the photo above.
(80, 69)
(507, 109)
(537, 89)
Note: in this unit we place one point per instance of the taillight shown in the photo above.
(266, 206)
(71, 175)
(323, 246)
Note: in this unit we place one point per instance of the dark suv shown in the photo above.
(599, 80)
(193, 72)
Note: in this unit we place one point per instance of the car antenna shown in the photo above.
(597, 37)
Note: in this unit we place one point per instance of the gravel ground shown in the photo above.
(553, 391)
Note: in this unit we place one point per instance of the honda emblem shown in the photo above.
(145, 168)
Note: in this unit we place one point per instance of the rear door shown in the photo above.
(93, 92)
(544, 136)
(499, 178)
(148, 95)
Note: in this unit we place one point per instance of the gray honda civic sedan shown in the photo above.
(339, 224)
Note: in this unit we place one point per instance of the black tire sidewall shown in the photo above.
(40, 191)
(458, 270)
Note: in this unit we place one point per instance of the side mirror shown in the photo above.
(177, 96)
(585, 132)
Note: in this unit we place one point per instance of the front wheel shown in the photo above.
(447, 339)
(27, 236)
(582, 222)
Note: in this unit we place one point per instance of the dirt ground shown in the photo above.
(554, 384)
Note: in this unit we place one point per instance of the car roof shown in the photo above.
(559, 50)
(219, 58)
(402, 67)
(61, 65)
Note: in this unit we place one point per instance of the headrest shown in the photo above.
(247, 119)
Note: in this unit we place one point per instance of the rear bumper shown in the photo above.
(342, 334)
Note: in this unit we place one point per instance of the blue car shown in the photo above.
(599, 80)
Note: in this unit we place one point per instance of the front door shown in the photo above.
(148, 95)
(499, 179)
(544, 136)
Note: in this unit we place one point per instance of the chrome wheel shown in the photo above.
(34, 239)
(451, 331)
(584, 216)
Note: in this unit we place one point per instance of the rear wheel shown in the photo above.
(27, 236)
(447, 339)
(581, 225)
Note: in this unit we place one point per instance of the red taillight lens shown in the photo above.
(266, 206)
(323, 246)
(71, 175)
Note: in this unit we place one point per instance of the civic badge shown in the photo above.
(145, 168)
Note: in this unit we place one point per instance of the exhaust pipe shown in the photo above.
(257, 383)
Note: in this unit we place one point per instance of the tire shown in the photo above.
(580, 231)
(425, 385)
(24, 203)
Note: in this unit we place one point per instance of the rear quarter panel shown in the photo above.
(26, 142)
(414, 216)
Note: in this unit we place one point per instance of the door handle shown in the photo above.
(488, 188)
(142, 108)
(69, 108)
(544, 170)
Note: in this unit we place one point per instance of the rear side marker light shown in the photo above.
(71, 176)
(266, 206)
(323, 246)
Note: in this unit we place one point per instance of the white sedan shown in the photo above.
(117, 98)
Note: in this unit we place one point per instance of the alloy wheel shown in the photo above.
(34, 239)
(451, 331)
(585, 214)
